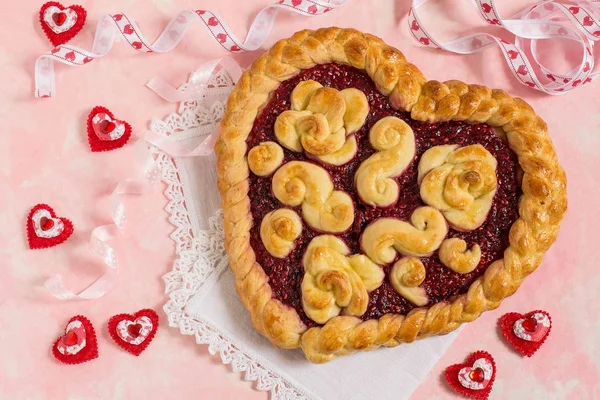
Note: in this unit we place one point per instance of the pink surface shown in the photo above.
(44, 157)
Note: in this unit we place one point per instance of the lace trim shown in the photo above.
(202, 258)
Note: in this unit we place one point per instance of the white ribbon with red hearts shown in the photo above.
(548, 20)
(101, 235)
(110, 26)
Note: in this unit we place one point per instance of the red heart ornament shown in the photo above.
(133, 333)
(526, 332)
(79, 343)
(45, 229)
(475, 377)
(105, 132)
(61, 24)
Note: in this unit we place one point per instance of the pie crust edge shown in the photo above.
(541, 206)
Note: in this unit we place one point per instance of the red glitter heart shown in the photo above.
(574, 10)
(70, 56)
(476, 375)
(37, 242)
(128, 29)
(486, 7)
(59, 18)
(296, 3)
(137, 45)
(512, 54)
(525, 347)
(71, 338)
(134, 330)
(424, 40)
(414, 26)
(312, 9)
(97, 144)
(587, 21)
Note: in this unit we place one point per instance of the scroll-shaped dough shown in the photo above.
(324, 209)
(278, 231)
(395, 142)
(334, 282)
(321, 122)
(406, 276)
(460, 182)
(265, 158)
(454, 255)
(420, 237)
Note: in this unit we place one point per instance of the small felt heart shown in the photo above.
(105, 132)
(78, 344)
(475, 377)
(526, 332)
(45, 229)
(61, 24)
(134, 333)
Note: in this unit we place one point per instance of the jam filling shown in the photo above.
(441, 283)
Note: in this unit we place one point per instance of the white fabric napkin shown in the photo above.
(381, 374)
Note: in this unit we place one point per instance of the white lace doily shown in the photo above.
(201, 253)
(202, 300)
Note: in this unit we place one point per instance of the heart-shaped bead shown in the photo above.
(473, 378)
(105, 132)
(78, 344)
(61, 24)
(134, 332)
(45, 229)
(526, 332)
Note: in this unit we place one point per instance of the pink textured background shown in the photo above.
(44, 157)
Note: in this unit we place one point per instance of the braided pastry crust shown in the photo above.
(541, 207)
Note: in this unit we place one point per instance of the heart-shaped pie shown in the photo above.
(45, 229)
(475, 377)
(60, 23)
(78, 344)
(134, 333)
(105, 132)
(526, 332)
(384, 207)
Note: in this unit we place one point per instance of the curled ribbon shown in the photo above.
(547, 19)
(110, 26)
(101, 235)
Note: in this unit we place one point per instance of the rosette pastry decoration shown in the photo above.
(335, 282)
(322, 122)
(460, 182)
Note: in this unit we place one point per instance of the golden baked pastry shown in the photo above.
(366, 206)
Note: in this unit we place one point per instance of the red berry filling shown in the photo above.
(441, 283)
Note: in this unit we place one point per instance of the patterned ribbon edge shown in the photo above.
(109, 26)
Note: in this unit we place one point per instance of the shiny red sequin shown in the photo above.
(59, 18)
(441, 283)
(108, 126)
(134, 330)
(477, 375)
(530, 324)
(71, 339)
(46, 223)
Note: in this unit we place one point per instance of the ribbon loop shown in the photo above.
(546, 20)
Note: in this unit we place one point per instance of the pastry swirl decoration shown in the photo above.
(454, 255)
(385, 237)
(395, 142)
(460, 182)
(324, 209)
(278, 231)
(334, 282)
(541, 208)
(405, 276)
(265, 158)
(321, 122)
